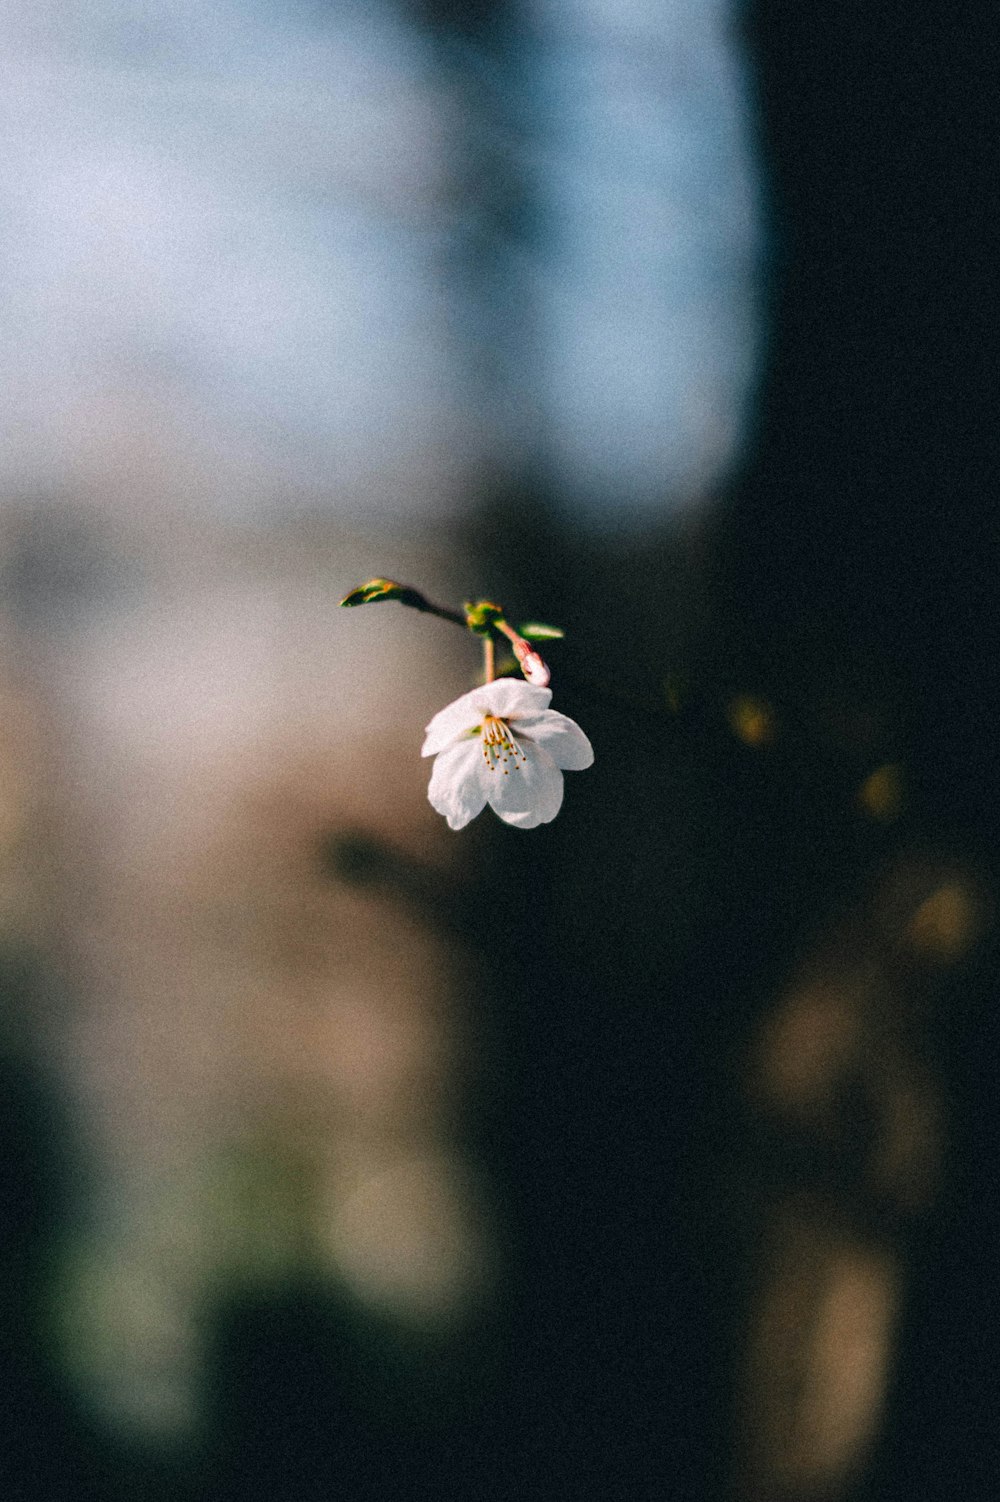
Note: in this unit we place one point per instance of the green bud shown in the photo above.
(482, 615)
(536, 631)
(383, 589)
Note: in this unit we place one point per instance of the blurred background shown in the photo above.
(649, 1154)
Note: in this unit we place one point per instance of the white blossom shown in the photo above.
(502, 745)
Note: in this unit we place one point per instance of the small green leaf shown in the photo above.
(382, 589)
(482, 615)
(536, 631)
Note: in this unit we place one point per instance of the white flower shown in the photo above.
(502, 744)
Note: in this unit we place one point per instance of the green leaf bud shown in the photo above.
(536, 631)
(376, 590)
(482, 615)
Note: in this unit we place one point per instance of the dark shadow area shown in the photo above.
(51, 1449)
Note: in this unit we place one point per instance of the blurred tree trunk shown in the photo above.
(859, 584)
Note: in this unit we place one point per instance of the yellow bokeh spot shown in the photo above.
(751, 720)
(881, 794)
(945, 924)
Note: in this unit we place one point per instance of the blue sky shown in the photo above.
(225, 248)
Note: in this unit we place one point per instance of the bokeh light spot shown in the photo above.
(751, 720)
(945, 924)
(881, 793)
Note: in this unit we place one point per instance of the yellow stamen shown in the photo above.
(500, 749)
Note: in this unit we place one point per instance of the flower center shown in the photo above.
(500, 749)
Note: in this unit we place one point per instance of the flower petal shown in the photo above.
(502, 698)
(530, 792)
(561, 737)
(452, 723)
(529, 820)
(509, 698)
(456, 786)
